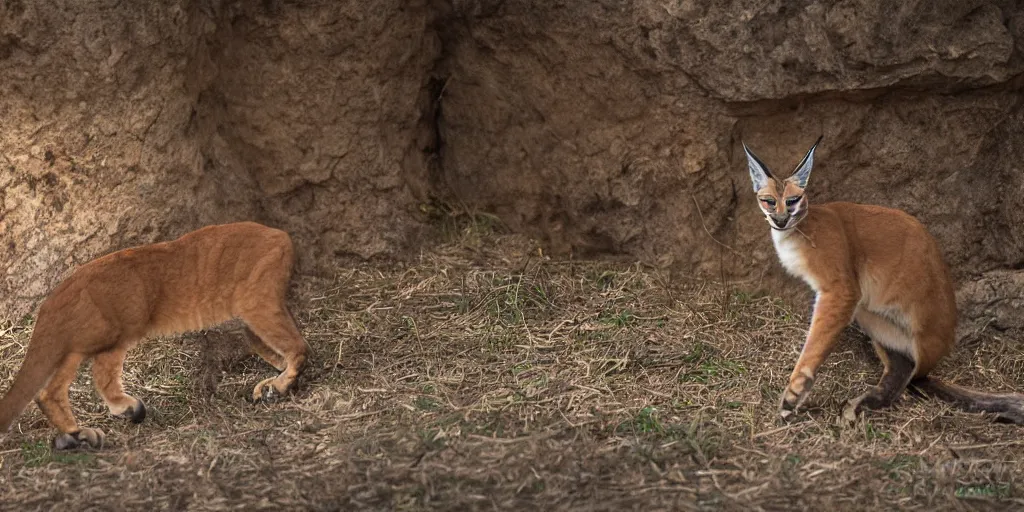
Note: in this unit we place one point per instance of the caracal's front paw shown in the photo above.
(84, 438)
(794, 395)
(267, 391)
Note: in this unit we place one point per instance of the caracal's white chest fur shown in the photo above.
(789, 245)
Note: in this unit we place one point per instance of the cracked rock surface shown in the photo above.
(597, 127)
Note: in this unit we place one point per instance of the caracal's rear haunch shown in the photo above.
(108, 305)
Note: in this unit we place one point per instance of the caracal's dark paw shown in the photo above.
(873, 399)
(266, 391)
(852, 410)
(793, 397)
(788, 410)
(84, 438)
(135, 414)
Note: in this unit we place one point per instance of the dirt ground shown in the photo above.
(483, 375)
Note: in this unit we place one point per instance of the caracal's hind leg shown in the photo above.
(893, 346)
(55, 403)
(275, 326)
(264, 351)
(106, 375)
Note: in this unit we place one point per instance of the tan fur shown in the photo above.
(878, 266)
(108, 305)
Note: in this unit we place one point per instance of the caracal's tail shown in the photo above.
(37, 369)
(1007, 406)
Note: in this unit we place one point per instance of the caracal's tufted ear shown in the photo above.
(803, 169)
(759, 173)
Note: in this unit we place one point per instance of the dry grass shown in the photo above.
(483, 376)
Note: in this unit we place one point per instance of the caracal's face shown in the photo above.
(782, 202)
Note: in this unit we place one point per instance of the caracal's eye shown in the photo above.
(792, 201)
(768, 201)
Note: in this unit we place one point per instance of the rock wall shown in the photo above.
(616, 126)
(128, 122)
(600, 127)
